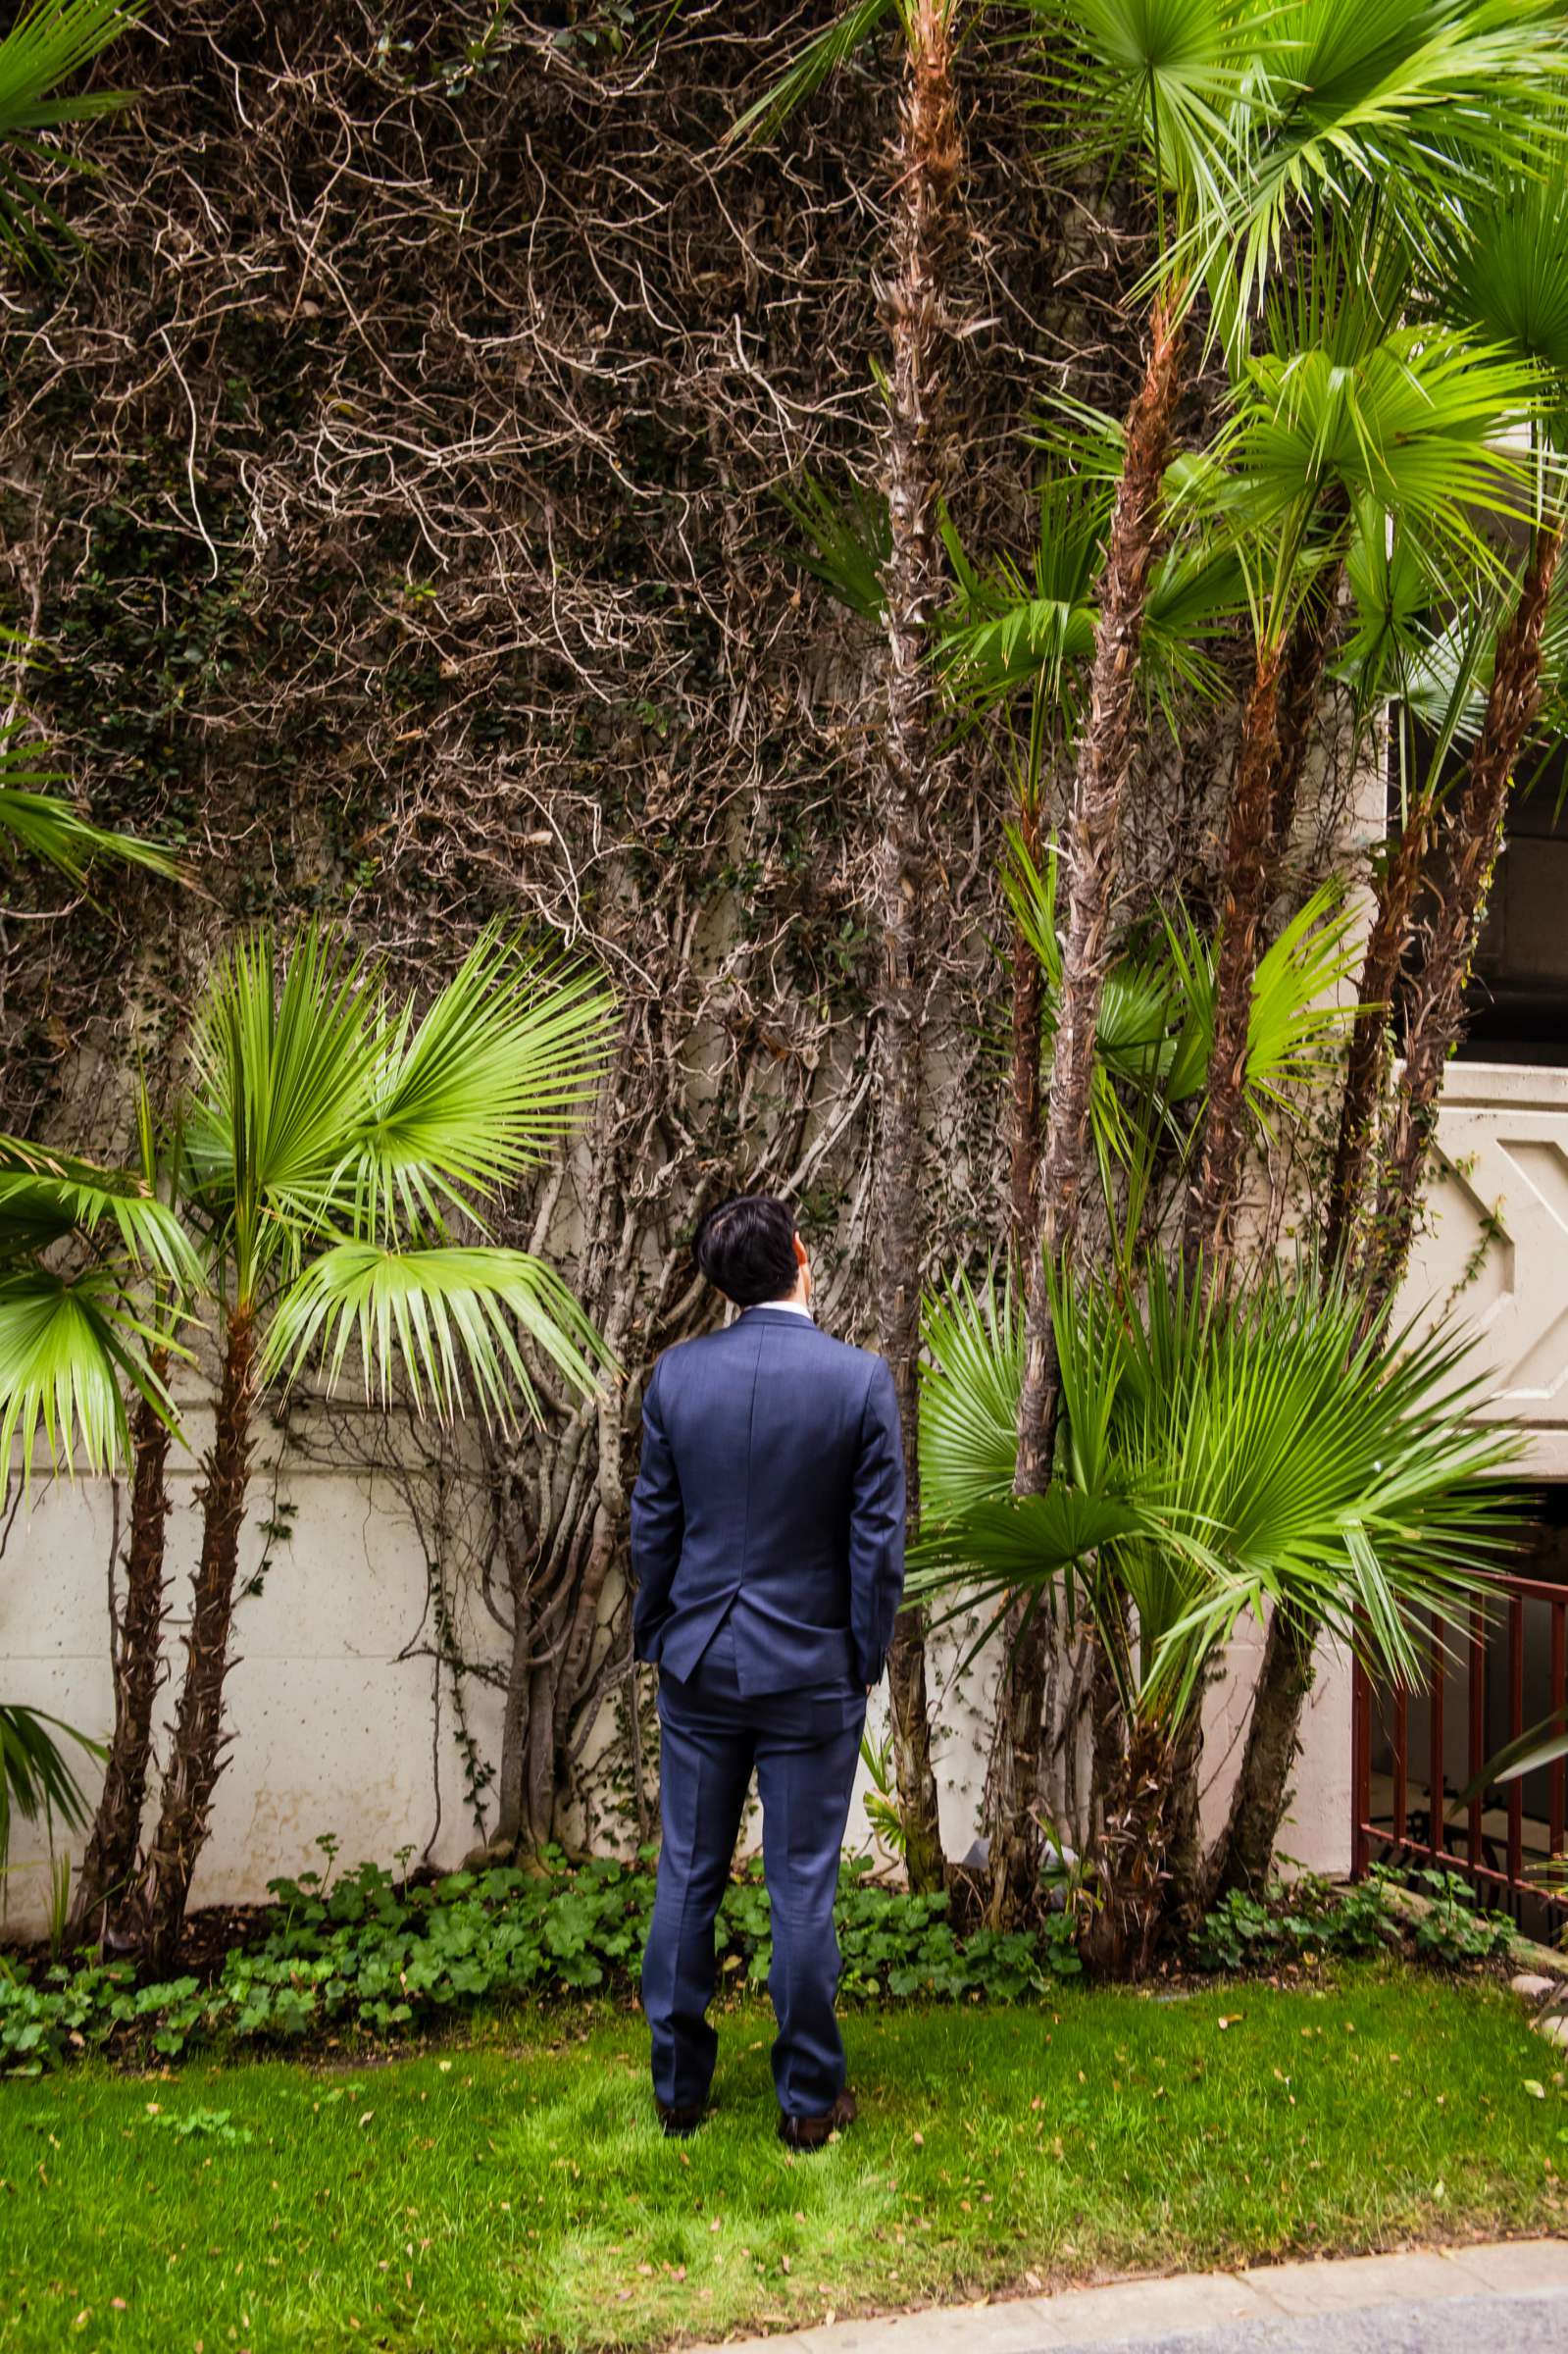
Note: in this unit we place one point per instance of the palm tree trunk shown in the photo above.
(1183, 1826)
(104, 1880)
(196, 1756)
(1244, 1853)
(1367, 1057)
(1276, 738)
(1092, 844)
(1120, 1935)
(929, 161)
(1306, 659)
(1217, 1179)
(1470, 837)
(1013, 1771)
(1028, 998)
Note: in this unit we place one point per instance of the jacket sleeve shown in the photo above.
(658, 1523)
(877, 1527)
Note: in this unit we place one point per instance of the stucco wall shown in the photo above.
(332, 1693)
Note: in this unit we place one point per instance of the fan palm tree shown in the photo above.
(1502, 269)
(1344, 419)
(1012, 650)
(929, 164)
(330, 1164)
(1242, 115)
(1504, 266)
(1153, 1049)
(1405, 658)
(1215, 1454)
(1405, 424)
(88, 1259)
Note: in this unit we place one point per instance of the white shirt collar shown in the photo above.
(791, 1307)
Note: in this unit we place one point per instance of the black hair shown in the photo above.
(747, 1249)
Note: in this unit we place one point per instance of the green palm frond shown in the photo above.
(1393, 612)
(446, 1321)
(71, 1346)
(969, 1395)
(1157, 82)
(46, 1195)
(848, 540)
(284, 1056)
(479, 1091)
(1336, 1470)
(813, 62)
(43, 825)
(1008, 627)
(50, 830)
(1444, 680)
(1345, 289)
(1007, 637)
(49, 42)
(1198, 589)
(1260, 1448)
(1422, 101)
(1416, 428)
(1154, 1035)
(37, 1780)
(1502, 268)
(1297, 1007)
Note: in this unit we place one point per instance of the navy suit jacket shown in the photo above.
(772, 1484)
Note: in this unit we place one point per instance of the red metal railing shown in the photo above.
(1488, 1678)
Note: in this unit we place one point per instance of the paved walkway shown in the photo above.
(1512, 2297)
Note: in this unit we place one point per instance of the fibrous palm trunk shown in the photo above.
(1367, 1057)
(1217, 1178)
(1276, 730)
(1244, 1853)
(197, 1753)
(1276, 738)
(1013, 1771)
(1027, 993)
(1120, 1935)
(1470, 836)
(1091, 844)
(104, 1882)
(929, 159)
(1306, 659)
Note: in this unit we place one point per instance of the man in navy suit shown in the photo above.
(768, 1550)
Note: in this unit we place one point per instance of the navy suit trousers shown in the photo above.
(803, 1745)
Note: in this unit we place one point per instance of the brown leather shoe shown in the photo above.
(680, 2124)
(815, 2132)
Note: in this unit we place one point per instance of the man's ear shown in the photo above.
(800, 1251)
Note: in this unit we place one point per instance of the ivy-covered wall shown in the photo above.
(390, 485)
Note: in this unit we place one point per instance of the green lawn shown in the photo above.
(514, 2191)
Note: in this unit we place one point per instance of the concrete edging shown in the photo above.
(1127, 2311)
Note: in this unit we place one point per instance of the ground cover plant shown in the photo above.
(364, 1960)
(514, 2189)
(369, 1955)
